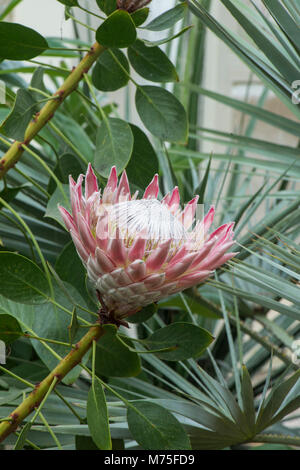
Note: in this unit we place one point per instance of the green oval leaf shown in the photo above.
(10, 329)
(20, 116)
(187, 339)
(114, 144)
(140, 16)
(17, 42)
(107, 74)
(155, 428)
(22, 280)
(113, 358)
(143, 163)
(108, 6)
(118, 30)
(97, 416)
(162, 113)
(151, 63)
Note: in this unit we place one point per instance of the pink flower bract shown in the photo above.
(138, 251)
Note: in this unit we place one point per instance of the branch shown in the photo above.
(61, 370)
(47, 112)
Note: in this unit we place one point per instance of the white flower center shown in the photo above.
(148, 216)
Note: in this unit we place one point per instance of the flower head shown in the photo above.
(132, 5)
(138, 251)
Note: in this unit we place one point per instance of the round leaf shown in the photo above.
(107, 74)
(113, 358)
(10, 329)
(187, 339)
(114, 146)
(22, 280)
(118, 30)
(155, 428)
(162, 113)
(143, 163)
(151, 63)
(17, 42)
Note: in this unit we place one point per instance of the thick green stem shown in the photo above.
(61, 370)
(47, 112)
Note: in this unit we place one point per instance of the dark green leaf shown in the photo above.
(113, 358)
(140, 16)
(118, 30)
(162, 113)
(67, 165)
(97, 416)
(20, 116)
(17, 42)
(107, 73)
(143, 163)
(188, 341)
(155, 428)
(151, 63)
(108, 6)
(22, 280)
(10, 329)
(113, 146)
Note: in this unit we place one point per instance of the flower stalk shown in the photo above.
(47, 112)
(34, 399)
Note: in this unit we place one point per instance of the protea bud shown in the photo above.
(132, 5)
(138, 251)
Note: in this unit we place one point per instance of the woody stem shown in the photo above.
(47, 112)
(61, 370)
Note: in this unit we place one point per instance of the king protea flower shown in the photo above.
(138, 251)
